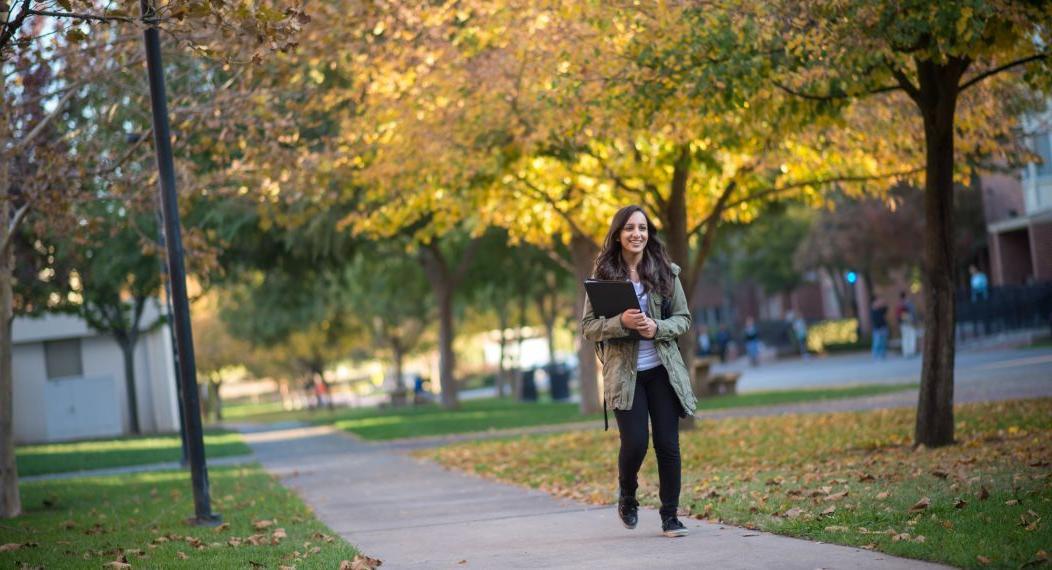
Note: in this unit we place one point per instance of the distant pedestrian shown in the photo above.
(645, 379)
(906, 313)
(704, 341)
(752, 341)
(723, 339)
(878, 315)
(980, 284)
(799, 331)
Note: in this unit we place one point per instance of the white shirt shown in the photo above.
(648, 356)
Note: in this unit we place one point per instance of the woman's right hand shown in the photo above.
(633, 319)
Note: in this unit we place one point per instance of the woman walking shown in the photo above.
(643, 374)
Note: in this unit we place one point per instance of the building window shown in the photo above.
(1043, 148)
(62, 358)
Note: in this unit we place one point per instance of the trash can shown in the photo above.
(559, 382)
(529, 386)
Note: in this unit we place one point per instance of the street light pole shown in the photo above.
(177, 274)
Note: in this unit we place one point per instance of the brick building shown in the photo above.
(1018, 211)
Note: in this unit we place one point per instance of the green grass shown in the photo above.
(473, 416)
(774, 397)
(782, 474)
(1043, 343)
(493, 413)
(89, 522)
(121, 452)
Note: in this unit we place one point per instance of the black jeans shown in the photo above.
(656, 398)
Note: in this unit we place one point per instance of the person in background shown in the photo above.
(752, 341)
(704, 342)
(906, 313)
(980, 284)
(799, 326)
(878, 315)
(723, 339)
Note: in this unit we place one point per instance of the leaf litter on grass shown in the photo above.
(787, 473)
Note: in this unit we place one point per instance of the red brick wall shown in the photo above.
(1001, 194)
(1041, 250)
(1010, 253)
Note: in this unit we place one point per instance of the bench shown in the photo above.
(706, 384)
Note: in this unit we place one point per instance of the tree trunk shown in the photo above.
(938, 101)
(127, 343)
(583, 251)
(446, 357)
(674, 219)
(10, 502)
(443, 284)
(399, 398)
(214, 400)
(502, 373)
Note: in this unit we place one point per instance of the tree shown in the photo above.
(389, 293)
(768, 246)
(955, 62)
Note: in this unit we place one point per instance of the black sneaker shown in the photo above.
(671, 527)
(628, 510)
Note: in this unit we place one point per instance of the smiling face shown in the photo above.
(634, 234)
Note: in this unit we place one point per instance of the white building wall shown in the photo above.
(103, 370)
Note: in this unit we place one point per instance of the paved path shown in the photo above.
(412, 513)
(1016, 368)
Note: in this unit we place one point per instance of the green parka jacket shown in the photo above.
(620, 354)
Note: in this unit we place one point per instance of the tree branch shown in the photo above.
(551, 202)
(82, 16)
(834, 96)
(819, 181)
(912, 90)
(12, 226)
(39, 128)
(999, 69)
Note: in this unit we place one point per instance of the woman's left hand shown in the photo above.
(649, 329)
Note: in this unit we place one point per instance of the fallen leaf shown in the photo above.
(983, 560)
(836, 528)
(260, 525)
(882, 495)
(865, 477)
(940, 474)
(919, 538)
(829, 511)
(920, 505)
(117, 565)
(221, 528)
(837, 496)
(1012, 502)
(278, 534)
(182, 555)
(903, 536)
(257, 564)
(10, 547)
(870, 546)
(462, 562)
(983, 493)
(360, 562)
(793, 513)
(960, 504)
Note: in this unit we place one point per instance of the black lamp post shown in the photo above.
(184, 342)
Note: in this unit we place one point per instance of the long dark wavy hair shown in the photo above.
(655, 267)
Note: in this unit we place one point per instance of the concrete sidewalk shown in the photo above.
(414, 514)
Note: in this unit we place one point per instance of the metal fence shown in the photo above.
(1006, 308)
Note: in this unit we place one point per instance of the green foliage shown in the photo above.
(769, 244)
